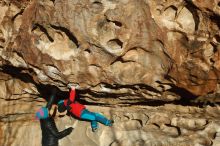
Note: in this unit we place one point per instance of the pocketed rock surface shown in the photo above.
(139, 126)
(131, 49)
(157, 61)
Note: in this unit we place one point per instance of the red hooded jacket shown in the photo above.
(76, 108)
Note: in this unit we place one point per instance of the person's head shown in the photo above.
(61, 108)
(44, 113)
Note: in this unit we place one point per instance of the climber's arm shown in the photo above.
(72, 94)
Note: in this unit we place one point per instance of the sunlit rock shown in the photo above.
(146, 64)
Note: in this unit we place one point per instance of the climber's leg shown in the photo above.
(102, 119)
(87, 115)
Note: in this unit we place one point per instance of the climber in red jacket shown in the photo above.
(80, 110)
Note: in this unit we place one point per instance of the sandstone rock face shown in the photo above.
(133, 126)
(111, 46)
(121, 53)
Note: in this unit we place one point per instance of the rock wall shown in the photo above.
(113, 47)
(143, 53)
(140, 126)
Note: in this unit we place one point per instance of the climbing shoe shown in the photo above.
(94, 129)
(109, 123)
